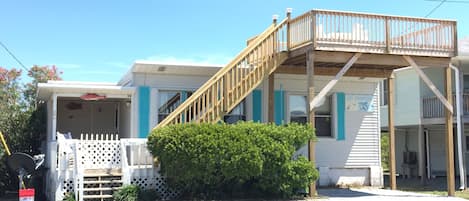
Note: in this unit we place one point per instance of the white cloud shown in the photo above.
(207, 60)
(463, 46)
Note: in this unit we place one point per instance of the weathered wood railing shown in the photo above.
(433, 108)
(229, 86)
(359, 32)
(325, 30)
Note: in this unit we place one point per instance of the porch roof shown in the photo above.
(154, 67)
(45, 90)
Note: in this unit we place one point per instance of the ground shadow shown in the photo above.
(417, 184)
(340, 192)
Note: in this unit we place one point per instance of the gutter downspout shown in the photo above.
(462, 174)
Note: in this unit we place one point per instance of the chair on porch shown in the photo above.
(409, 163)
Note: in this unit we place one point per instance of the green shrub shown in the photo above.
(69, 197)
(219, 160)
(127, 193)
(385, 151)
(148, 195)
(133, 193)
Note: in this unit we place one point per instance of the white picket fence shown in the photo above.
(69, 158)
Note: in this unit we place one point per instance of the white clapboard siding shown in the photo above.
(365, 148)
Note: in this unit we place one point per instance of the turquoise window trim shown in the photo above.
(257, 105)
(340, 116)
(183, 96)
(143, 111)
(279, 101)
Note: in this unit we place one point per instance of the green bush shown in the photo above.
(69, 197)
(148, 195)
(127, 193)
(222, 160)
(133, 193)
(385, 151)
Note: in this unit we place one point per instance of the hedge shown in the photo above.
(239, 160)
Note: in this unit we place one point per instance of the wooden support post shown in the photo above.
(271, 108)
(449, 135)
(311, 117)
(392, 140)
(429, 83)
(322, 94)
(288, 28)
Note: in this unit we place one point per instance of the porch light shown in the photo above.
(92, 97)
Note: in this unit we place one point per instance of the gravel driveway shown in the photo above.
(378, 194)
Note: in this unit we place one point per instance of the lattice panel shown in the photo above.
(67, 186)
(99, 154)
(158, 183)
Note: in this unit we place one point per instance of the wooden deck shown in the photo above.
(333, 37)
(329, 39)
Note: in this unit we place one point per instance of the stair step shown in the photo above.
(102, 175)
(102, 182)
(102, 189)
(102, 172)
(96, 196)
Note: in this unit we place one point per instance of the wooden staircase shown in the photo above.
(231, 84)
(101, 184)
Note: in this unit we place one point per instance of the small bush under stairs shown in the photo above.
(231, 84)
(101, 184)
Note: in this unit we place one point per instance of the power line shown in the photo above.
(436, 7)
(451, 1)
(12, 55)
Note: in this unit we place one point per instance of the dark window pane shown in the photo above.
(466, 83)
(299, 119)
(384, 98)
(233, 118)
(323, 126)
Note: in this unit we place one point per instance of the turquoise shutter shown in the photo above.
(279, 106)
(257, 106)
(143, 111)
(340, 98)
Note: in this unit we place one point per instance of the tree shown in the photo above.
(22, 120)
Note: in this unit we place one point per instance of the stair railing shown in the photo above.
(230, 85)
(77, 172)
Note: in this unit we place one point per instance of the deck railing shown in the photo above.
(359, 32)
(231, 84)
(433, 108)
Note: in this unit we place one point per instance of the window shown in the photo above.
(169, 101)
(384, 92)
(466, 83)
(298, 113)
(467, 143)
(237, 114)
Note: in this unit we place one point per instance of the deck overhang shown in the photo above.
(368, 65)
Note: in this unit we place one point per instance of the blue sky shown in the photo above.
(99, 40)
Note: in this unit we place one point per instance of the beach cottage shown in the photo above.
(322, 67)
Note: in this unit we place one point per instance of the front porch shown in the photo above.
(94, 166)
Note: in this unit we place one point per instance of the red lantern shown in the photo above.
(92, 97)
